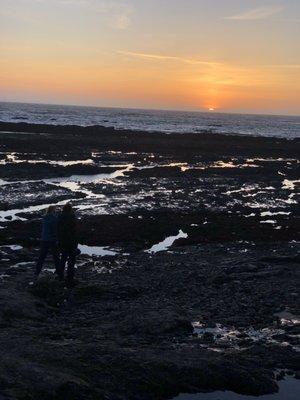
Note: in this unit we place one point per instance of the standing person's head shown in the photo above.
(51, 210)
(68, 209)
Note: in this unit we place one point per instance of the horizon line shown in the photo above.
(153, 109)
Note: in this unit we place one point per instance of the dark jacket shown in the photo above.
(49, 228)
(67, 231)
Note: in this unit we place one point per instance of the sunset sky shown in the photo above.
(227, 55)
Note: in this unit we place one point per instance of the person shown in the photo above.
(68, 242)
(48, 240)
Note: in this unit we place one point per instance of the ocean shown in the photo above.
(153, 120)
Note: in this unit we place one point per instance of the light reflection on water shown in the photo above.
(167, 242)
(13, 158)
(96, 251)
(94, 202)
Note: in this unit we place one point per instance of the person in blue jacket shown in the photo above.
(49, 240)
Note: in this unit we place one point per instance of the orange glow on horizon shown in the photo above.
(110, 53)
(154, 83)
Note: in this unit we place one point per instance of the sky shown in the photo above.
(225, 55)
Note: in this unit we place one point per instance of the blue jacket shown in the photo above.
(49, 229)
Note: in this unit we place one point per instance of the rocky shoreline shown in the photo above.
(219, 310)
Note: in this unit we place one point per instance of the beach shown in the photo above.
(189, 268)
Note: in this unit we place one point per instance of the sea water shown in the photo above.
(153, 120)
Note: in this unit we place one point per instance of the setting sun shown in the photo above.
(151, 148)
(105, 54)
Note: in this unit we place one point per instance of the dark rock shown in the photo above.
(127, 333)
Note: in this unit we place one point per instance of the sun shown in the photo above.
(211, 109)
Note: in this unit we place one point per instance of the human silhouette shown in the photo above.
(49, 240)
(68, 242)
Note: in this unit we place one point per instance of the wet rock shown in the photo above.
(281, 260)
(207, 337)
(221, 279)
(50, 290)
(128, 333)
(156, 323)
(13, 308)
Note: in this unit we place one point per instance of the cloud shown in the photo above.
(257, 13)
(191, 61)
(167, 58)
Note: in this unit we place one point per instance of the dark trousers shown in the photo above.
(68, 255)
(47, 247)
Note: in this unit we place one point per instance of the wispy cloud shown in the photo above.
(160, 57)
(217, 74)
(257, 13)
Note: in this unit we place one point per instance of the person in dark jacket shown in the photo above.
(48, 240)
(67, 239)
